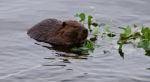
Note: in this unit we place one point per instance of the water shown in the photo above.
(21, 60)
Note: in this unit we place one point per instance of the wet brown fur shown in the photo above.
(56, 32)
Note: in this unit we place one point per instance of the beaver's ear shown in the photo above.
(64, 24)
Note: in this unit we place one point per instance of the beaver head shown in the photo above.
(72, 32)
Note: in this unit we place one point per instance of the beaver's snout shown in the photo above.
(85, 31)
(83, 35)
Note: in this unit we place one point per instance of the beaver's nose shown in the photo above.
(85, 31)
(84, 34)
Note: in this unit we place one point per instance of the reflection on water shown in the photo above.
(22, 60)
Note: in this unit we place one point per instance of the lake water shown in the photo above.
(21, 60)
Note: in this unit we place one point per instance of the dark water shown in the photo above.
(21, 60)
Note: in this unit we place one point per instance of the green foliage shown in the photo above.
(82, 16)
(127, 36)
(145, 44)
(120, 50)
(111, 34)
(145, 33)
(87, 19)
(88, 45)
(90, 22)
(93, 29)
(124, 38)
(145, 40)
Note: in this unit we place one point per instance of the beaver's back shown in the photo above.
(44, 29)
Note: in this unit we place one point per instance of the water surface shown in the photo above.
(21, 60)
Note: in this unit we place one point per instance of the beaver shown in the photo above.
(61, 33)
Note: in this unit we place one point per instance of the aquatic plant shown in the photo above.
(129, 36)
(140, 37)
(93, 28)
(145, 40)
(124, 38)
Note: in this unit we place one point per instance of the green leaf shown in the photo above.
(127, 31)
(93, 27)
(145, 44)
(146, 33)
(89, 44)
(82, 17)
(90, 19)
(121, 53)
(95, 24)
(111, 34)
(90, 22)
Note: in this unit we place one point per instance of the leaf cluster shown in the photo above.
(143, 37)
(93, 28)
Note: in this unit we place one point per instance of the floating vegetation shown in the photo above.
(140, 37)
(93, 28)
(145, 40)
